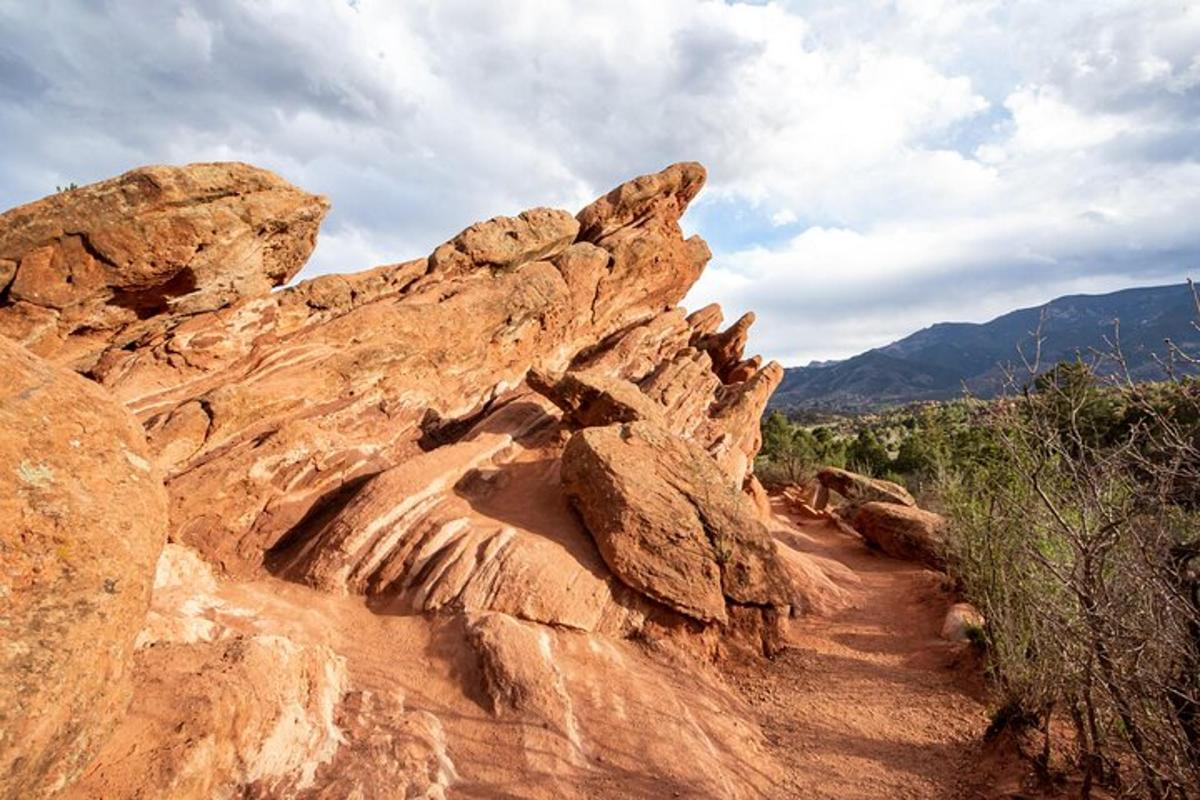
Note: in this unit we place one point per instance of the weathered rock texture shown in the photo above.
(668, 524)
(858, 489)
(903, 531)
(112, 264)
(260, 713)
(84, 518)
(520, 433)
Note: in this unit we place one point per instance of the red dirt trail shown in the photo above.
(870, 702)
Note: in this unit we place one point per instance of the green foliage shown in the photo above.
(906, 445)
(792, 452)
(1074, 505)
(977, 636)
(867, 455)
(917, 456)
(1074, 533)
(67, 188)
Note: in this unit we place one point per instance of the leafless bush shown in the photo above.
(1077, 536)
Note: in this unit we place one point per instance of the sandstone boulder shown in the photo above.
(861, 489)
(114, 262)
(592, 399)
(902, 531)
(84, 520)
(962, 622)
(668, 524)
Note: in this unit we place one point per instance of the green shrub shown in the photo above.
(1069, 535)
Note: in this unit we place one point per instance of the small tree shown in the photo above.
(791, 452)
(866, 454)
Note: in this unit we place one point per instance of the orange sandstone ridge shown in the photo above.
(471, 524)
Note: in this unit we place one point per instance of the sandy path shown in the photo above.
(868, 703)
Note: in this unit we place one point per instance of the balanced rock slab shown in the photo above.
(668, 523)
(861, 489)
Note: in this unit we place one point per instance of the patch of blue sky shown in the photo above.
(990, 126)
(730, 224)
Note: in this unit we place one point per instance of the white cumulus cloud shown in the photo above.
(875, 166)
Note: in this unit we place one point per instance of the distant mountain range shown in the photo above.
(938, 362)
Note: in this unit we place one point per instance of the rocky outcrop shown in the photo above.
(644, 202)
(113, 264)
(589, 399)
(668, 525)
(386, 360)
(84, 519)
(858, 489)
(725, 348)
(260, 713)
(903, 531)
(516, 448)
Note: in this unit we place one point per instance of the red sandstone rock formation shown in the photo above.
(84, 518)
(412, 434)
(668, 523)
(902, 531)
(116, 263)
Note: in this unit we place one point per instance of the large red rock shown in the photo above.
(668, 524)
(260, 410)
(84, 520)
(859, 489)
(903, 531)
(399, 434)
(111, 264)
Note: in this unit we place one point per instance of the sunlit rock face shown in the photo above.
(84, 518)
(453, 521)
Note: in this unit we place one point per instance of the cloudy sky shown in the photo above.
(874, 167)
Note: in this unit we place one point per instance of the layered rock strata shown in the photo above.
(518, 449)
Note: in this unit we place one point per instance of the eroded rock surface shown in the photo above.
(668, 524)
(252, 712)
(114, 263)
(496, 501)
(903, 531)
(84, 518)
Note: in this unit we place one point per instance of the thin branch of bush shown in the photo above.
(1076, 536)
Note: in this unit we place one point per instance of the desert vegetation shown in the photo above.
(1072, 503)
